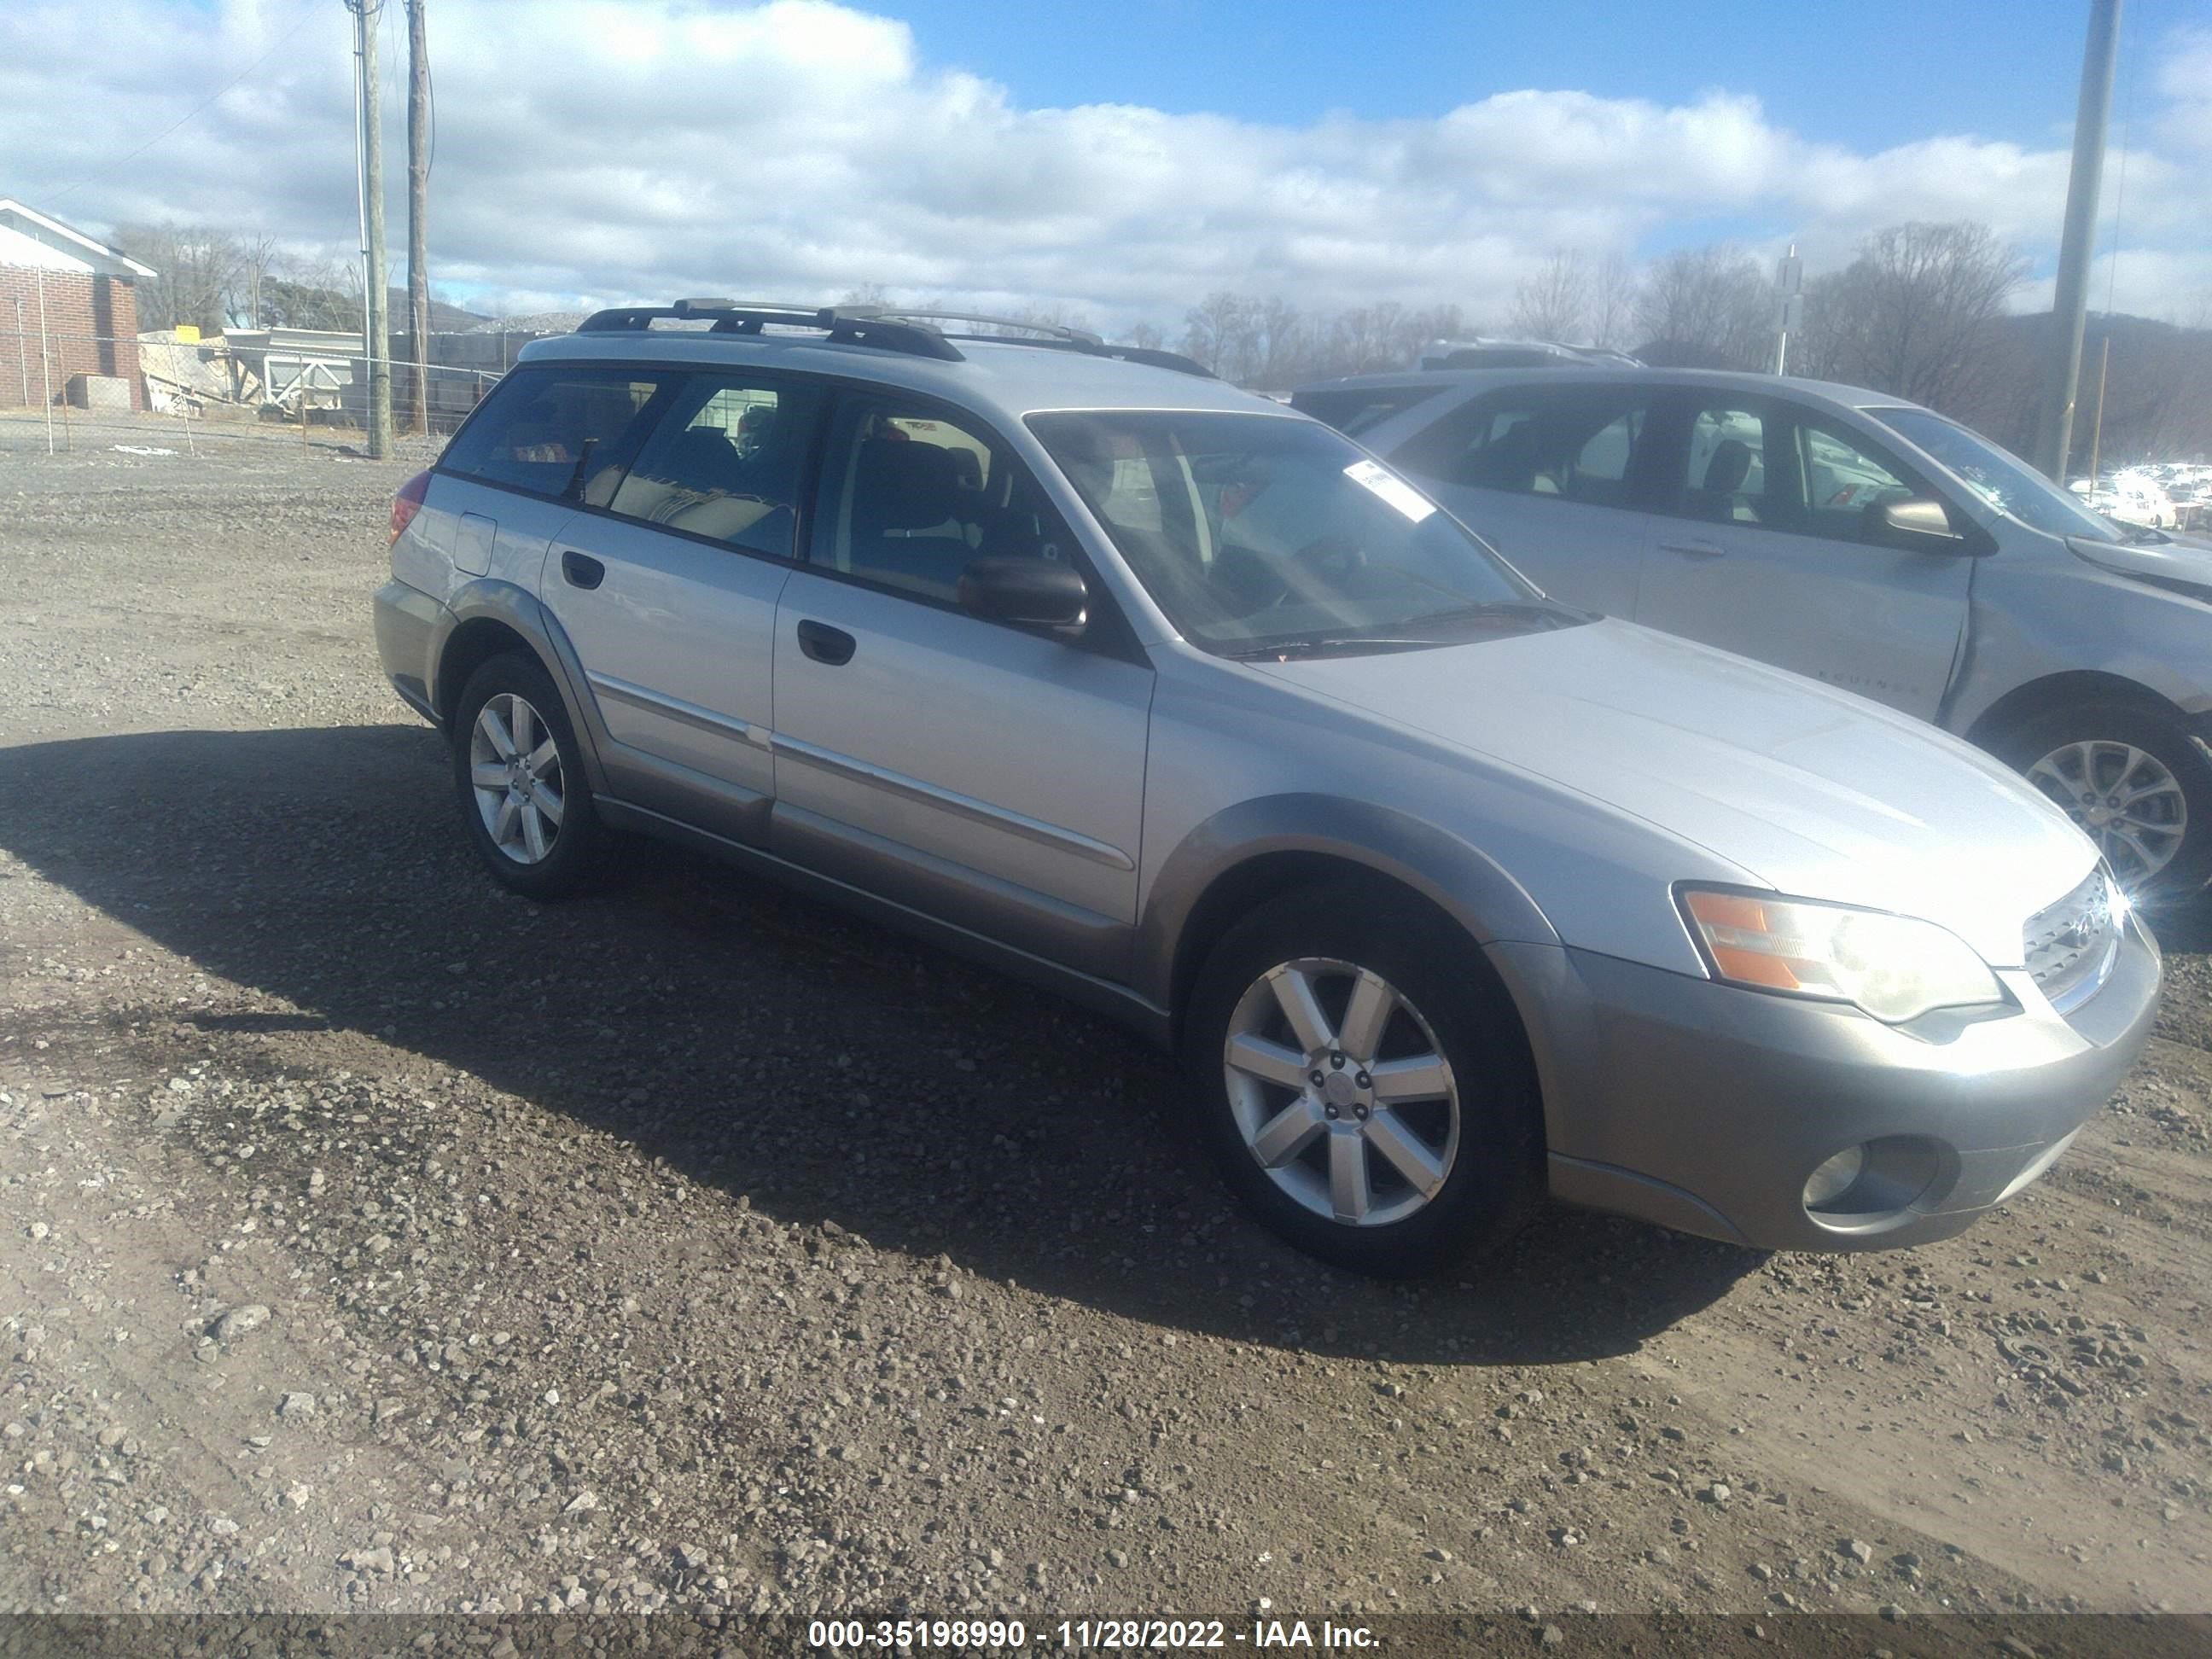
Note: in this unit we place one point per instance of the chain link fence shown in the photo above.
(183, 395)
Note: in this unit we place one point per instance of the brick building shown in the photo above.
(90, 323)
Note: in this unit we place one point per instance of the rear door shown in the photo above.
(986, 773)
(666, 583)
(514, 475)
(1768, 546)
(1554, 476)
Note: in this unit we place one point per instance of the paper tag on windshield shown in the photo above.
(1395, 491)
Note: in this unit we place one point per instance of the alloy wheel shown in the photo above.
(2125, 798)
(1341, 1092)
(515, 775)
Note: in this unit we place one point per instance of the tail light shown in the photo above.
(408, 502)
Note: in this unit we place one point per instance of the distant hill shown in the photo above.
(444, 318)
(2157, 397)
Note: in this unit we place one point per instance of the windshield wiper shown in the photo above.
(1536, 611)
(1317, 644)
(1533, 611)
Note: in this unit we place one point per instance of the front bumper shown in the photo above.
(1705, 1107)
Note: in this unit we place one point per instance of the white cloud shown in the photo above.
(589, 151)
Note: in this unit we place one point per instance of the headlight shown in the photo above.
(1893, 967)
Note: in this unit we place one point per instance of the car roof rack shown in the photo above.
(1149, 355)
(914, 332)
(1055, 337)
(900, 313)
(849, 325)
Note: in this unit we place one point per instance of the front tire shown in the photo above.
(2134, 780)
(519, 775)
(1421, 1143)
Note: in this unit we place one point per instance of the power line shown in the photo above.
(206, 103)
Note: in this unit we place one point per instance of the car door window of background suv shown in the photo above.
(724, 463)
(1580, 444)
(1726, 480)
(1781, 467)
(559, 433)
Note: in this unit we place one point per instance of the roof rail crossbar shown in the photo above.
(1055, 331)
(1150, 356)
(860, 325)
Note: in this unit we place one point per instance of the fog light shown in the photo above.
(1834, 1178)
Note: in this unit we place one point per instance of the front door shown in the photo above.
(988, 774)
(1768, 546)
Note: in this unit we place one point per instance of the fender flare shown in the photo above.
(1459, 879)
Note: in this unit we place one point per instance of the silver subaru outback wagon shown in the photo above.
(1072, 658)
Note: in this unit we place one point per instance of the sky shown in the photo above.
(1118, 163)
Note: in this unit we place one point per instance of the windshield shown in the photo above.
(1255, 533)
(2002, 479)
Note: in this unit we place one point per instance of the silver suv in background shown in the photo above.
(1071, 657)
(1854, 538)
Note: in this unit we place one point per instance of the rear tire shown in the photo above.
(1423, 1143)
(2159, 839)
(519, 775)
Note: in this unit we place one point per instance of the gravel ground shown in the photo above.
(370, 1239)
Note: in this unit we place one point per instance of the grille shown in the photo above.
(2070, 944)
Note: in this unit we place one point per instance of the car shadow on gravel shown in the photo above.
(823, 1067)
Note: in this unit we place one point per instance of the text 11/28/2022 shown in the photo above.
(1081, 1635)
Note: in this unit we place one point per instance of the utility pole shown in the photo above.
(2062, 378)
(418, 192)
(1789, 305)
(375, 299)
(2097, 431)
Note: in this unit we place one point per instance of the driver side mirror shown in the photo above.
(1044, 591)
(1917, 526)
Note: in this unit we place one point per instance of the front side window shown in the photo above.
(1779, 466)
(1845, 477)
(554, 431)
(1576, 443)
(1255, 533)
(2001, 478)
(724, 462)
(910, 496)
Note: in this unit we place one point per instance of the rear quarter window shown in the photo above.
(548, 430)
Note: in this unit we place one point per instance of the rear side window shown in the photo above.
(554, 431)
(1352, 412)
(1578, 443)
(724, 462)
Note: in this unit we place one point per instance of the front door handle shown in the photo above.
(1695, 550)
(581, 569)
(825, 644)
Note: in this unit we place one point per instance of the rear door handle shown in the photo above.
(581, 569)
(826, 644)
(1695, 550)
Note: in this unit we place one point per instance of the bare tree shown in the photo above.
(1908, 316)
(1220, 333)
(196, 269)
(1552, 301)
(256, 255)
(1148, 337)
(1281, 343)
(1613, 300)
(1706, 308)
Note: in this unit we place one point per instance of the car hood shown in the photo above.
(1813, 792)
(2181, 561)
